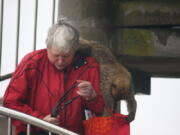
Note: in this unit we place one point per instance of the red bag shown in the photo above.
(110, 125)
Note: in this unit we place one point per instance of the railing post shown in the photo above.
(1, 29)
(35, 24)
(51, 128)
(9, 126)
(18, 30)
(28, 129)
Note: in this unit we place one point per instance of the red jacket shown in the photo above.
(37, 85)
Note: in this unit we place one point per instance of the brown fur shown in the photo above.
(115, 79)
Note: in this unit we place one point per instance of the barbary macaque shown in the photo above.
(116, 81)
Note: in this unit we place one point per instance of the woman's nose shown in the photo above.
(60, 60)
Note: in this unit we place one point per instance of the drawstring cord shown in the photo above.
(59, 108)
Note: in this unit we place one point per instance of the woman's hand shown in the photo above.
(52, 120)
(86, 90)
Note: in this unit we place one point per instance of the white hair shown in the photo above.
(64, 36)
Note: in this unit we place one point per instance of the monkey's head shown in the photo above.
(120, 87)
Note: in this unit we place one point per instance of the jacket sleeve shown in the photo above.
(17, 92)
(96, 105)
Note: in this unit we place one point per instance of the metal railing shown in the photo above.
(30, 120)
(1, 28)
(7, 76)
(19, 10)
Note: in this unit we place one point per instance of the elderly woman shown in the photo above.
(44, 76)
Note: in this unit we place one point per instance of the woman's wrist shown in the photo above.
(92, 97)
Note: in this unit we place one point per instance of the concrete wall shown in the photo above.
(89, 17)
(148, 42)
(145, 12)
(144, 35)
(147, 38)
(147, 28)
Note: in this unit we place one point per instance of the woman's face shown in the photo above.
(59, 58)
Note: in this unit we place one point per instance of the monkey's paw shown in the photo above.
(131, 117)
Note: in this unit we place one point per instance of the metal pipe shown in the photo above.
(35, 24)
(1, 31)
(17, 30)
(53, 12)
(35, 121)
(28, 129)
(7, 76)
(9, 126)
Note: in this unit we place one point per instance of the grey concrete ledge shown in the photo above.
(147, 13)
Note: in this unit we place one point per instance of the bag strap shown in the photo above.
(57, 109)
